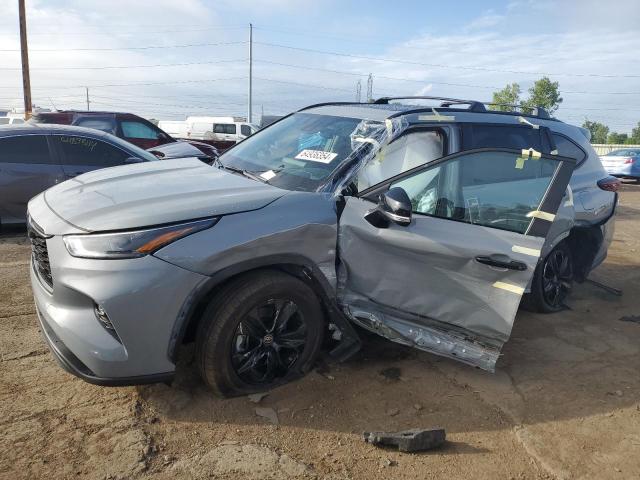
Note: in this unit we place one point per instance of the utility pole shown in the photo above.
(358, 91)
(26, 81)
(250, 93)
(88, 102)
(370, 88)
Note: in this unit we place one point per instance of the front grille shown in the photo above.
(39, 254)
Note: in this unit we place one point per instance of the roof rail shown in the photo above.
(474, 105)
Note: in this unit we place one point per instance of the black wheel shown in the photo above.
(552, 281)
(262, 330)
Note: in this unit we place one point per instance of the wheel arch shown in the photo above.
(584, 242)
(296, 265)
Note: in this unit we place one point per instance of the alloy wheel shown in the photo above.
(557, 277)
(268, 341)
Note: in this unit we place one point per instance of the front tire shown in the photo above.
(552, 282)
(262, 330)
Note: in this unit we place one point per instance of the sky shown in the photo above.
(167, 59)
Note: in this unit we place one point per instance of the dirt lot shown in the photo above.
(564, 403)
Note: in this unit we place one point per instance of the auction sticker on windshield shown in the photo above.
(316, 156)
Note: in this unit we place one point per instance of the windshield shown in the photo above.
(300, 151)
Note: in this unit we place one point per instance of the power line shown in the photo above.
(358, 74)
(111, 67)
(147, 47)
(436, 65)
(120, 100)
(134, 32)
(138, 84)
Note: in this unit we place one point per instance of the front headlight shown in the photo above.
(131, 244)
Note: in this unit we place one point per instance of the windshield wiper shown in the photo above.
(241, 171)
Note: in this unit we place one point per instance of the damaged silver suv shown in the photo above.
(424, 224)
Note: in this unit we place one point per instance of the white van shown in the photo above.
(219, 129)
(175, 128)
(12, 119)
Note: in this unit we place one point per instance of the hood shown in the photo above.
(177, 150)
(154, 193)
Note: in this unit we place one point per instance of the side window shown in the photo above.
(224, 128)
(501, 136)
(567, 148)
(493, 189)
(31, 149)
(407, 152)
(102, 124)
(88, 151)
(4, 120)
(138, 130)
(18, 120)
(245, 130)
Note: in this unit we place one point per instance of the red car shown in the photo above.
(129, 127)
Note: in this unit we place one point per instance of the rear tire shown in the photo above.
(552, 282)
(262, 330)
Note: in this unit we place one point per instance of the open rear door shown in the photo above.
(451, 280)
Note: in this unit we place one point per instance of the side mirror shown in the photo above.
(393, 206)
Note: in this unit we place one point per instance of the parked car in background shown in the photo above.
(423, 224)
(12, 119)
(175, 128)
(129, 127)
(35, 157)
(624, 163)
(223, 132)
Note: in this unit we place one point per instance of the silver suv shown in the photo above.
(424, 224)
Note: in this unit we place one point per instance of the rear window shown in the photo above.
(30, 149)
(500, 136)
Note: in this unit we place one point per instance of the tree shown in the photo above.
(599, 131)
(544, 93)
(617, 138)
(635, 135)
(509, 95)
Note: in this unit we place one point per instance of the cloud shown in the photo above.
(467, 61)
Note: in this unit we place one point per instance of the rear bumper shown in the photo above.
(72, 364)
(630, 170)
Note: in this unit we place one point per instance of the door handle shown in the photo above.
(501, 261)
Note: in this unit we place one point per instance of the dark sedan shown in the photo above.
(35, 157)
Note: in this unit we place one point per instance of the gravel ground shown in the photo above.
(564, 403)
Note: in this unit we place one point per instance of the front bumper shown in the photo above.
(143, 297)
(72, 364)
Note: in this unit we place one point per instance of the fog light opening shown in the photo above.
(104, 320)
